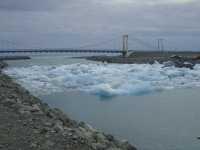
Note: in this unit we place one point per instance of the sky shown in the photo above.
(79, 23)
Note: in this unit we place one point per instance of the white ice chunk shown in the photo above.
(105, 79)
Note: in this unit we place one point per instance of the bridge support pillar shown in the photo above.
(125, 46)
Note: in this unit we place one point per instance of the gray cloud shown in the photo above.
(30, 5)
(78, 22)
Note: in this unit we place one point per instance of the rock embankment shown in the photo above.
(177, 59)
(28, 124)
(14, 58)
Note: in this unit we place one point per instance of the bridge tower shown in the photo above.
(125, 45)
(161, 45)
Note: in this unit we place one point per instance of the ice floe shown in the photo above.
(105, 79)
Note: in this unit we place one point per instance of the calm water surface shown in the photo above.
(168, 120)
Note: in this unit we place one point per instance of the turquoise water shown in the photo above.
(168, 120)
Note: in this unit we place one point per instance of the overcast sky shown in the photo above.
(73, 23)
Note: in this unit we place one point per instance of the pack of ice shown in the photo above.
(105, 79)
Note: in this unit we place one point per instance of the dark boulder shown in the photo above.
(181, 64)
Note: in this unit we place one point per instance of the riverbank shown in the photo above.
(3, 58)
(145, 57)
(26, 123)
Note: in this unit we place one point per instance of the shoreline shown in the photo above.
(145, 57)
(3, 58)
(29, 124)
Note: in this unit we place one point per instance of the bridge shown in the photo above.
(59, 51)
(84, 49)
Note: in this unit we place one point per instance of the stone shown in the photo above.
(58, 126)
(36, 131)
(9, 102)
(175, 57)
(128, 146)
(61, 116)
(98, 146)
(1, 146)
(70, 134)
(88, 127)
(48, 124)
(33, 145)
(44, 130)
(27, 109)
(18, 101)
(100, 137)
(24, 112)
(188, 65)
(181, 64)
(66, 133)
(48, 144)
(35, 108)
(50, 114)
(109, 137)
(74, 137)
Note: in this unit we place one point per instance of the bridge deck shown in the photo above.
(58, 51)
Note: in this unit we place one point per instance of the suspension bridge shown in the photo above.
(8, 48)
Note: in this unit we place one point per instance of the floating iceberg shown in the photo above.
(105, 79)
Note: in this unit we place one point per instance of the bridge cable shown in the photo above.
(97, 44)
(143, 43)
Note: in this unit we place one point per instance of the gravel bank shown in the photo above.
(26, 123)
(14, 58)
(139, 57)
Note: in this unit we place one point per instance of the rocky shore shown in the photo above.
(26, 123)
(14, 58)
(178, 59)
